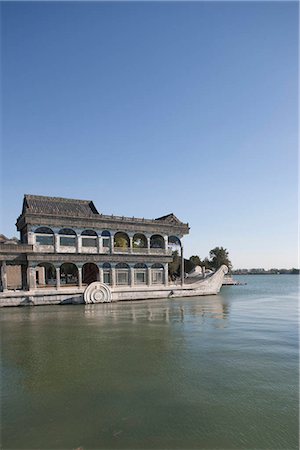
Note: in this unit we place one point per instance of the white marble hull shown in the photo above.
(38, 297)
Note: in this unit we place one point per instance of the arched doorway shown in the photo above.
(90, 273)
(45, 275)
(68, 274)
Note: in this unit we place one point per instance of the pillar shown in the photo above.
(80, 277)
(56, 243)
(166, 244)
(130, 244)
(131, 276)
(42, 275)
(100, 274)
(3, 276)
(57, 277)
(79, 243)
(112, 244)
(99, 244)
(31, 238)
(182, 266)
(148, 244)
(31, 278)
(166, 274)
(149, 280)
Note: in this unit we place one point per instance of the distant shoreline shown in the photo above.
(265, 273)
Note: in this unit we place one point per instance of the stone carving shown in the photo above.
(97, 293)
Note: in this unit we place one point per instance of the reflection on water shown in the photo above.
(211, 307)
(215, 372)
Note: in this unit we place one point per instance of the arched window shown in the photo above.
(67, 237)
(44, 236)
(174, 244)
(68, 274)
(122, 274)
(89, 238)
(121, 241)
(45, 275)
(157, 241)
(90, 273)
(140, 273)
(105, 240)
(139, 241)
(67, 232)
(157, 273)
(106, 273)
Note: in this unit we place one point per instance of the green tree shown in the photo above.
(207, 263)
(121, 241)
(218, 257)
(196, 260)
(188, 265)
(174, 266)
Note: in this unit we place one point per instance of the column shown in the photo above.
(31, 278)
(57, 277)
(182, 266)
(131, 276)
(149, 281)
(111, 244)
(42, 275)
(148, 244)
(79, 243)
(166, 244)
(166, 274)
(56, 243)
(99, 244)
(100, 274)
(113, 277)
(31, 238)
(3, 276)
(130, 244)
(80, 277)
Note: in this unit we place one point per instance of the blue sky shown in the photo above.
(151, 108)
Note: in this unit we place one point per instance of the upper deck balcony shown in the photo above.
(45, 240)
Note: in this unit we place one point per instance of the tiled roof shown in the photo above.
(56, 206)
(170, 219)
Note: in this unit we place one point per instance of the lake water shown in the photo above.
(217, 372)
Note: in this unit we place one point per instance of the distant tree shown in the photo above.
(188, 265)
(295, 271)
(174, 266)
(218, 257)
(207, 264)
(196, 260)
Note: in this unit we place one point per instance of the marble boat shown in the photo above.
(68, 252)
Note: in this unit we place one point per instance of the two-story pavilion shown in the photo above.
(67, 243)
